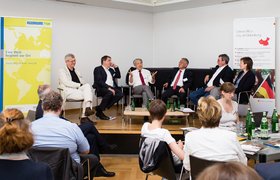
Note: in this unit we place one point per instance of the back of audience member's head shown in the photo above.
(209, 112)
(229, 171)
(224, 57)
(15, 135)
(157, 109)
(227, 87)
(248, 61)
(52, 102)
(43, 90)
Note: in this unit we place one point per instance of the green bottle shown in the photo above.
(133, 105)
(248, 116)
(174, 106)
(264, 127)
(249, 127)
(168, 104)
(178, 103)
(275, 122)
(148, 104)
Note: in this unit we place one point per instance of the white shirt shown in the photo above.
(229, 119)
(109, 80)
(213, 144)
(180, 82)
(217, 72)
(159, 133)
(136, 77)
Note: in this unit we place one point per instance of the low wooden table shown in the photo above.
(144, 112)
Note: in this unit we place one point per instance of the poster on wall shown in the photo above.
(255, 37)
(1, 63)
(26, 60)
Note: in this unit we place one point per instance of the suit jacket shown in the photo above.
(246, 84)
(187, 75)
(100, 77)
(226, 75)
(65, 79)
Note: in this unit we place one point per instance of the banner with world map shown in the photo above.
(25, 60)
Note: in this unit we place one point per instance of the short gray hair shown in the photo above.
(52, 102)
(69, 55)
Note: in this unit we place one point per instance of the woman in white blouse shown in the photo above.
(229, 107)
(211, 142)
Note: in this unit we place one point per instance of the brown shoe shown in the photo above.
(89, 111)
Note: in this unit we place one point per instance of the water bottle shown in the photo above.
(168, 104)
(274, 122)
(249, 128)
(253, 124)
(264, 127)
(178, 103)
(248, 116)
(133, 105)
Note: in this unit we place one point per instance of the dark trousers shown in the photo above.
(169, 92)
(95, 140)
(93, 162)
(108, 99)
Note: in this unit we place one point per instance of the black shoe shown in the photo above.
(101, 171)
(89, 111)
(101, 115)
(87, 120)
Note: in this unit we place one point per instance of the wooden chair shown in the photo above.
(198, 165)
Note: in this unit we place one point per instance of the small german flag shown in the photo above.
(266, 89)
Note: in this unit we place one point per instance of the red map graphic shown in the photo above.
(264, 42)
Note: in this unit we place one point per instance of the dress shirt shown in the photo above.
(52, 131)
(217, 72)
(180, 82)
(109, 80)
(136, 77)
(213, 144)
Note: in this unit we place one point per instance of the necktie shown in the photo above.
(141, 78)
(176, 81)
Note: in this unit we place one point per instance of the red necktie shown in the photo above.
(141, 78)
(176, 81)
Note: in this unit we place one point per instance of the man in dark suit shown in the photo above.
(179, 81)
(105, 85)
(220, 74)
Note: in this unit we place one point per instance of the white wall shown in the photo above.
(89, 32)
(200, 34)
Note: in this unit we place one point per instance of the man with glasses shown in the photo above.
(220, 74)
(73, 85)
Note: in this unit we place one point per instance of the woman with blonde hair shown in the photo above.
(210, 142)
(15, 140)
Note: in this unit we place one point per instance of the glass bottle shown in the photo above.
(132, 105)
(168, 104)
(247, 119)
(264, 127)
(274, 122)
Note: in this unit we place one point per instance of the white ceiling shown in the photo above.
(148, 5)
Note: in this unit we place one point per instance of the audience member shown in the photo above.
(229, 171)
(154, 130)
(210, 142)
(229, 107)
(220, 74)
(245, 80)
(96, 142)
(42, 91)
(178, 82)
(73, 85)
(140, 79)
(15, 140)
(105, 85)
(52, 131)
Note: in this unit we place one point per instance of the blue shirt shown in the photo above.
(52, 131)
